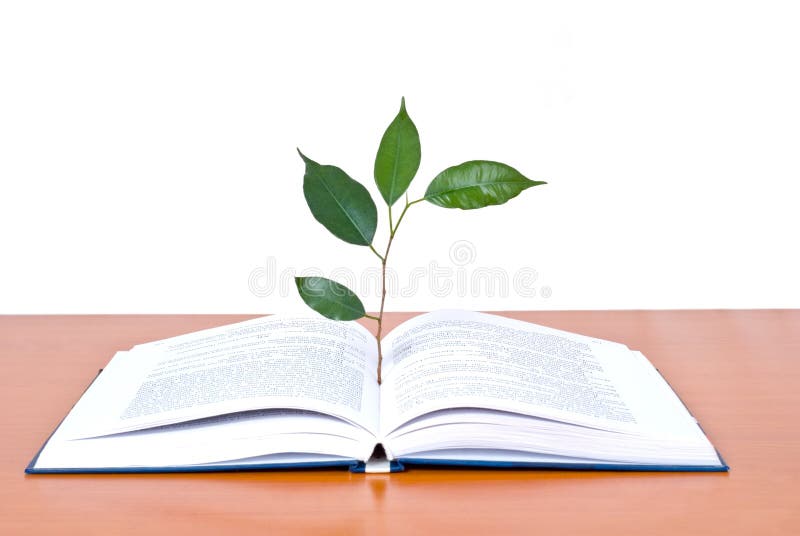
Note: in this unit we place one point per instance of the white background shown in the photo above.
(147, 150)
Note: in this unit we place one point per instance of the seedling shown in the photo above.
(346, 209)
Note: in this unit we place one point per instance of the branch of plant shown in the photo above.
(404, 213)
(376, 252)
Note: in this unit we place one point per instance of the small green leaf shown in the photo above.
(477, 184)
(329, 298)
(398, 156)
(339, 203)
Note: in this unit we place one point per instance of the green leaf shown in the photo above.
(329, 298)
(339, 203)
(398, 156)
(477, 184)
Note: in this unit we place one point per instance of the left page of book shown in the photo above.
(300, 363)
(270, 391)
(257, 438)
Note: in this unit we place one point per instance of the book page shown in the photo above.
(308, 363)
(213, 440)
(451, 359)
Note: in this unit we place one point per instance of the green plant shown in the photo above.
(345, 208)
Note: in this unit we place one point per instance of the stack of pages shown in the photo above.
(459, 388)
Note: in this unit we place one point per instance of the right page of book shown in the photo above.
(461, 359)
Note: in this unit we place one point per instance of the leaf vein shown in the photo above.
(459, 188)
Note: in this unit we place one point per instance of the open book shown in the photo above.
(459, 388)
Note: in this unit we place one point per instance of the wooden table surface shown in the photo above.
(738, 371)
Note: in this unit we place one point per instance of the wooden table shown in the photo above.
(738, 371)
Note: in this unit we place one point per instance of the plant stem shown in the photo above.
(376, 252)
(380, 315)
(401, 219)
(384, 258)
